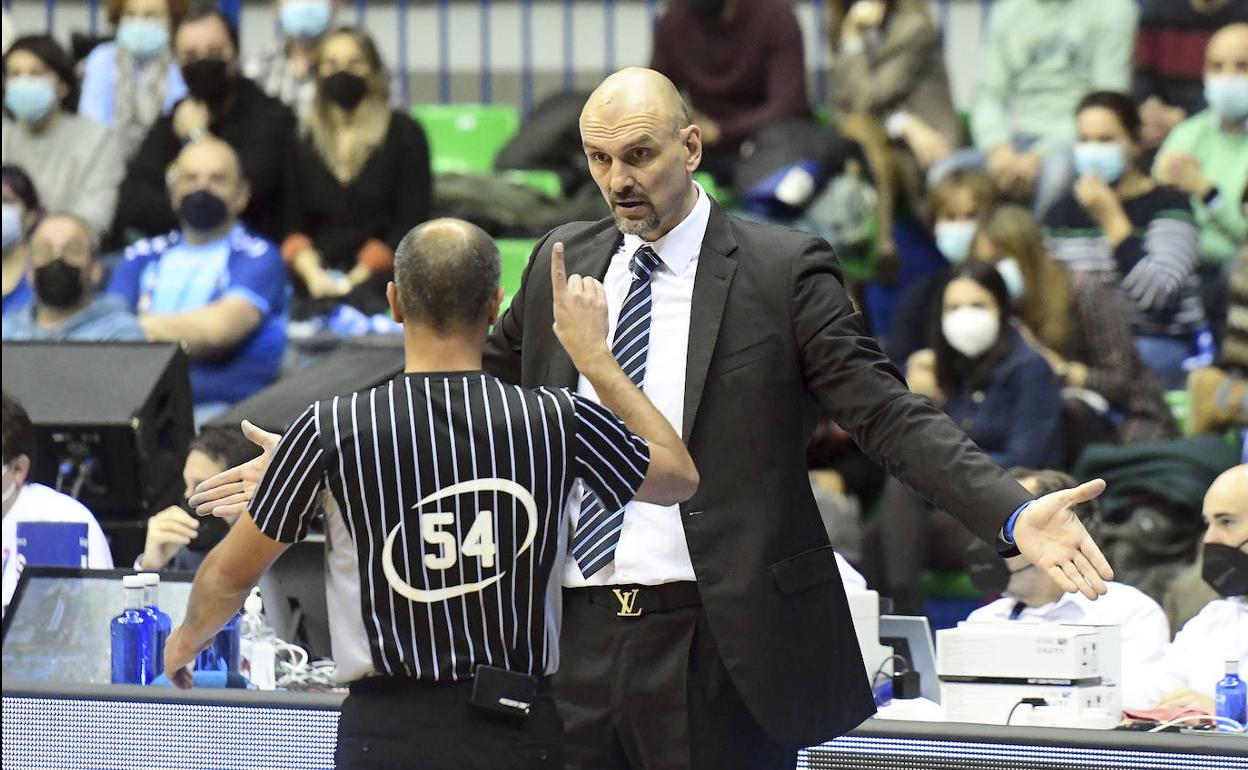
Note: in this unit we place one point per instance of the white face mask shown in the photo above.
(971, 330)
(1012, 274)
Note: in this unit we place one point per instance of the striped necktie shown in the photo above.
(597, 529)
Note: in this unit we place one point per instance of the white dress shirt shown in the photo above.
(38, 503)
(1145, 630)
(1196, 659)
(652, 547)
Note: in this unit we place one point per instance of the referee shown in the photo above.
(445, 492)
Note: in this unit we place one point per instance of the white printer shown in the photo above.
(1031, 673)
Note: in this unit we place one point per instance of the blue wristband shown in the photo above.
(1007, 532)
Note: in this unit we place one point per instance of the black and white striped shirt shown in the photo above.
(446, 499)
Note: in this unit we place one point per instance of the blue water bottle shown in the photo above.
(151, 603)
(222, 654)
(1232, 696)
(134, 638)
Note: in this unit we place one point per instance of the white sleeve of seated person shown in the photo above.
(1145, 637)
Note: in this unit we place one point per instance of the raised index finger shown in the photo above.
(558, 272)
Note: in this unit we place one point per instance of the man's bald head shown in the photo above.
(1226, 508)
(642, 151)
(633, 91)
(447, 273)
(1230, 41)
(208, 152)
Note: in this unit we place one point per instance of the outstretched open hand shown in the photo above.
(1051, 536)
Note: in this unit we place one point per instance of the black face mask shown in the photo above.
(344, 89)
(1226, 569)
(59, 284)
(987, 570)
(707, 9)
(203, 211)
(208, 80)
(212, 530)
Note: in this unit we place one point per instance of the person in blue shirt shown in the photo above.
(211, 285)
(996, 388)
(131, 81)
(65, 273)
(21, 212)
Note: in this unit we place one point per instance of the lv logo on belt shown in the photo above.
(628, 603)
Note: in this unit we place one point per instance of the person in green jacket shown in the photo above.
(1206, 156)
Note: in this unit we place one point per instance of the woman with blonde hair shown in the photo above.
(358, 180)
(1079, 326)
(131, 81)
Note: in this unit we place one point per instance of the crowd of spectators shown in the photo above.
(1089, 210)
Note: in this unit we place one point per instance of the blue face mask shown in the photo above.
(1227, 96)
(305, 19)
(953, 239)
(143, 38)
(1105, 160)
(29, 97)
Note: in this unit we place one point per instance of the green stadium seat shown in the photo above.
(514, 253)
(465, 138)
(721, 195)
(1180, 403)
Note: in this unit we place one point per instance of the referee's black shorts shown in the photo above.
(390, 723)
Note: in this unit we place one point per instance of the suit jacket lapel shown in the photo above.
(590, 259)
(710, 292)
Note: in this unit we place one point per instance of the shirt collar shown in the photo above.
(682, 244)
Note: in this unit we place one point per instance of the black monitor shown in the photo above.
(56, 628)
(112, 420)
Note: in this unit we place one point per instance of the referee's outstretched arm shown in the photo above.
(581, 326)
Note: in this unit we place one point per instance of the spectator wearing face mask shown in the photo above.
(1075, 322)
(1195, 660)
(1206, 156)
(740, 64)
(1029, 595)
(65, 273)
(1170, 59)
(177, 539)
(131, 81)
(998, 390)
(1040, 57)
(954, 205)
(21, 212)
(212, 285)
(359, 177)
(1137, 236)
(74, 162)
(221, 103)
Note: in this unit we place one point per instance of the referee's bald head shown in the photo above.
(446, 273)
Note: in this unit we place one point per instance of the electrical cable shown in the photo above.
(1033, 702)
(886, 661)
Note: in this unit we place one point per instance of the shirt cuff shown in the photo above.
(1007, 531)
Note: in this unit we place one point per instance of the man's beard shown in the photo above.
(638, 227)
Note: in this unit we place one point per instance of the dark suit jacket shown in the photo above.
(773, 341)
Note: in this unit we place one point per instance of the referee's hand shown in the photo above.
(580, 310)
(229, 492)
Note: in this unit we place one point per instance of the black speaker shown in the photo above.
(355, 365)
(112, 420)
